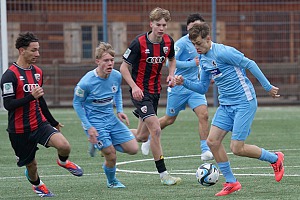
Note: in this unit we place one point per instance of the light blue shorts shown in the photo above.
(178, 101)
(113, 133)
(236, 118)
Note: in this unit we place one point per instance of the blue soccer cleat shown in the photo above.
(115, 184)
(72, 168)
(42, 191)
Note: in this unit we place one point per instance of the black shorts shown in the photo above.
(148, 106)
(25, 145)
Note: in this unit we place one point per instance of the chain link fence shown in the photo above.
(69, 30)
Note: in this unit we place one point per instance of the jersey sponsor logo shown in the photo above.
(155, 60)
(144, 109)
(79, 92)
(215, 73)
(166, 49)
(8, 88)
(37, 77)
(127, 53)
(29, 87)
(172, 110)
(103, 101)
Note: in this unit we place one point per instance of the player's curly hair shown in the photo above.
(25, 39)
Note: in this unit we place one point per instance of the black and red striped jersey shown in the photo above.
(17, 83)
(147, 59)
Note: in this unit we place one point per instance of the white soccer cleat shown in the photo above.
(145, 148)
(207, 155)
(170, 180)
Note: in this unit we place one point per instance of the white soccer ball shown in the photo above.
(207, 174)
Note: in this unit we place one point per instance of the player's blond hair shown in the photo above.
(159, 13)
(102, 48)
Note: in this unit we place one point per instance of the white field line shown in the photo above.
(178, 172)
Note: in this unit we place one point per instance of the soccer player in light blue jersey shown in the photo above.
(238, 103)
(187, 65)
(94, 99)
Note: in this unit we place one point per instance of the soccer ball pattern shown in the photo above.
(207, 174)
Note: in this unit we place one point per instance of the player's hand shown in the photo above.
(137, 93)
(179, 80)
(59, 126)
(93, 134)
(123, 117)
(171, 81)
(37, 92)
(274, 92)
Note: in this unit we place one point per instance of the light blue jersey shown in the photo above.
(226, 66)
(94, 98)
(179, 96)
(185, 54)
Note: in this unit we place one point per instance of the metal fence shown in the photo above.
(69, 30)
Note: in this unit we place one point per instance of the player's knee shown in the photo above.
(32, 166)
(236, 150)
(110, 154)
(212, 143)
(170, 121)
(64, 147)
(155, 133)
(203, 116)
(133, 150)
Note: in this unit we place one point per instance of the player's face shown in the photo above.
(31, 53)
(105, 64)
(202, 45)
(158, 28)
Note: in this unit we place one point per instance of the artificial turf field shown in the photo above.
(274, 128)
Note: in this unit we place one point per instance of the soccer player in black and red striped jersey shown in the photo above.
(146, 56)
(29, 119)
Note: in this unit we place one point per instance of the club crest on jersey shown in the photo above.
(166, 50)
(100, 144)
(144, 109)
(114, 89)
(214, 63)
(37, 77)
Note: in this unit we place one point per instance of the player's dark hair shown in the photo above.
(25, 39)
(194, 17)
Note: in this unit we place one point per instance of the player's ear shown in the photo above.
(208, 38)
(151, 24)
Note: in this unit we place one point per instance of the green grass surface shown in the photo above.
(274, 128)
